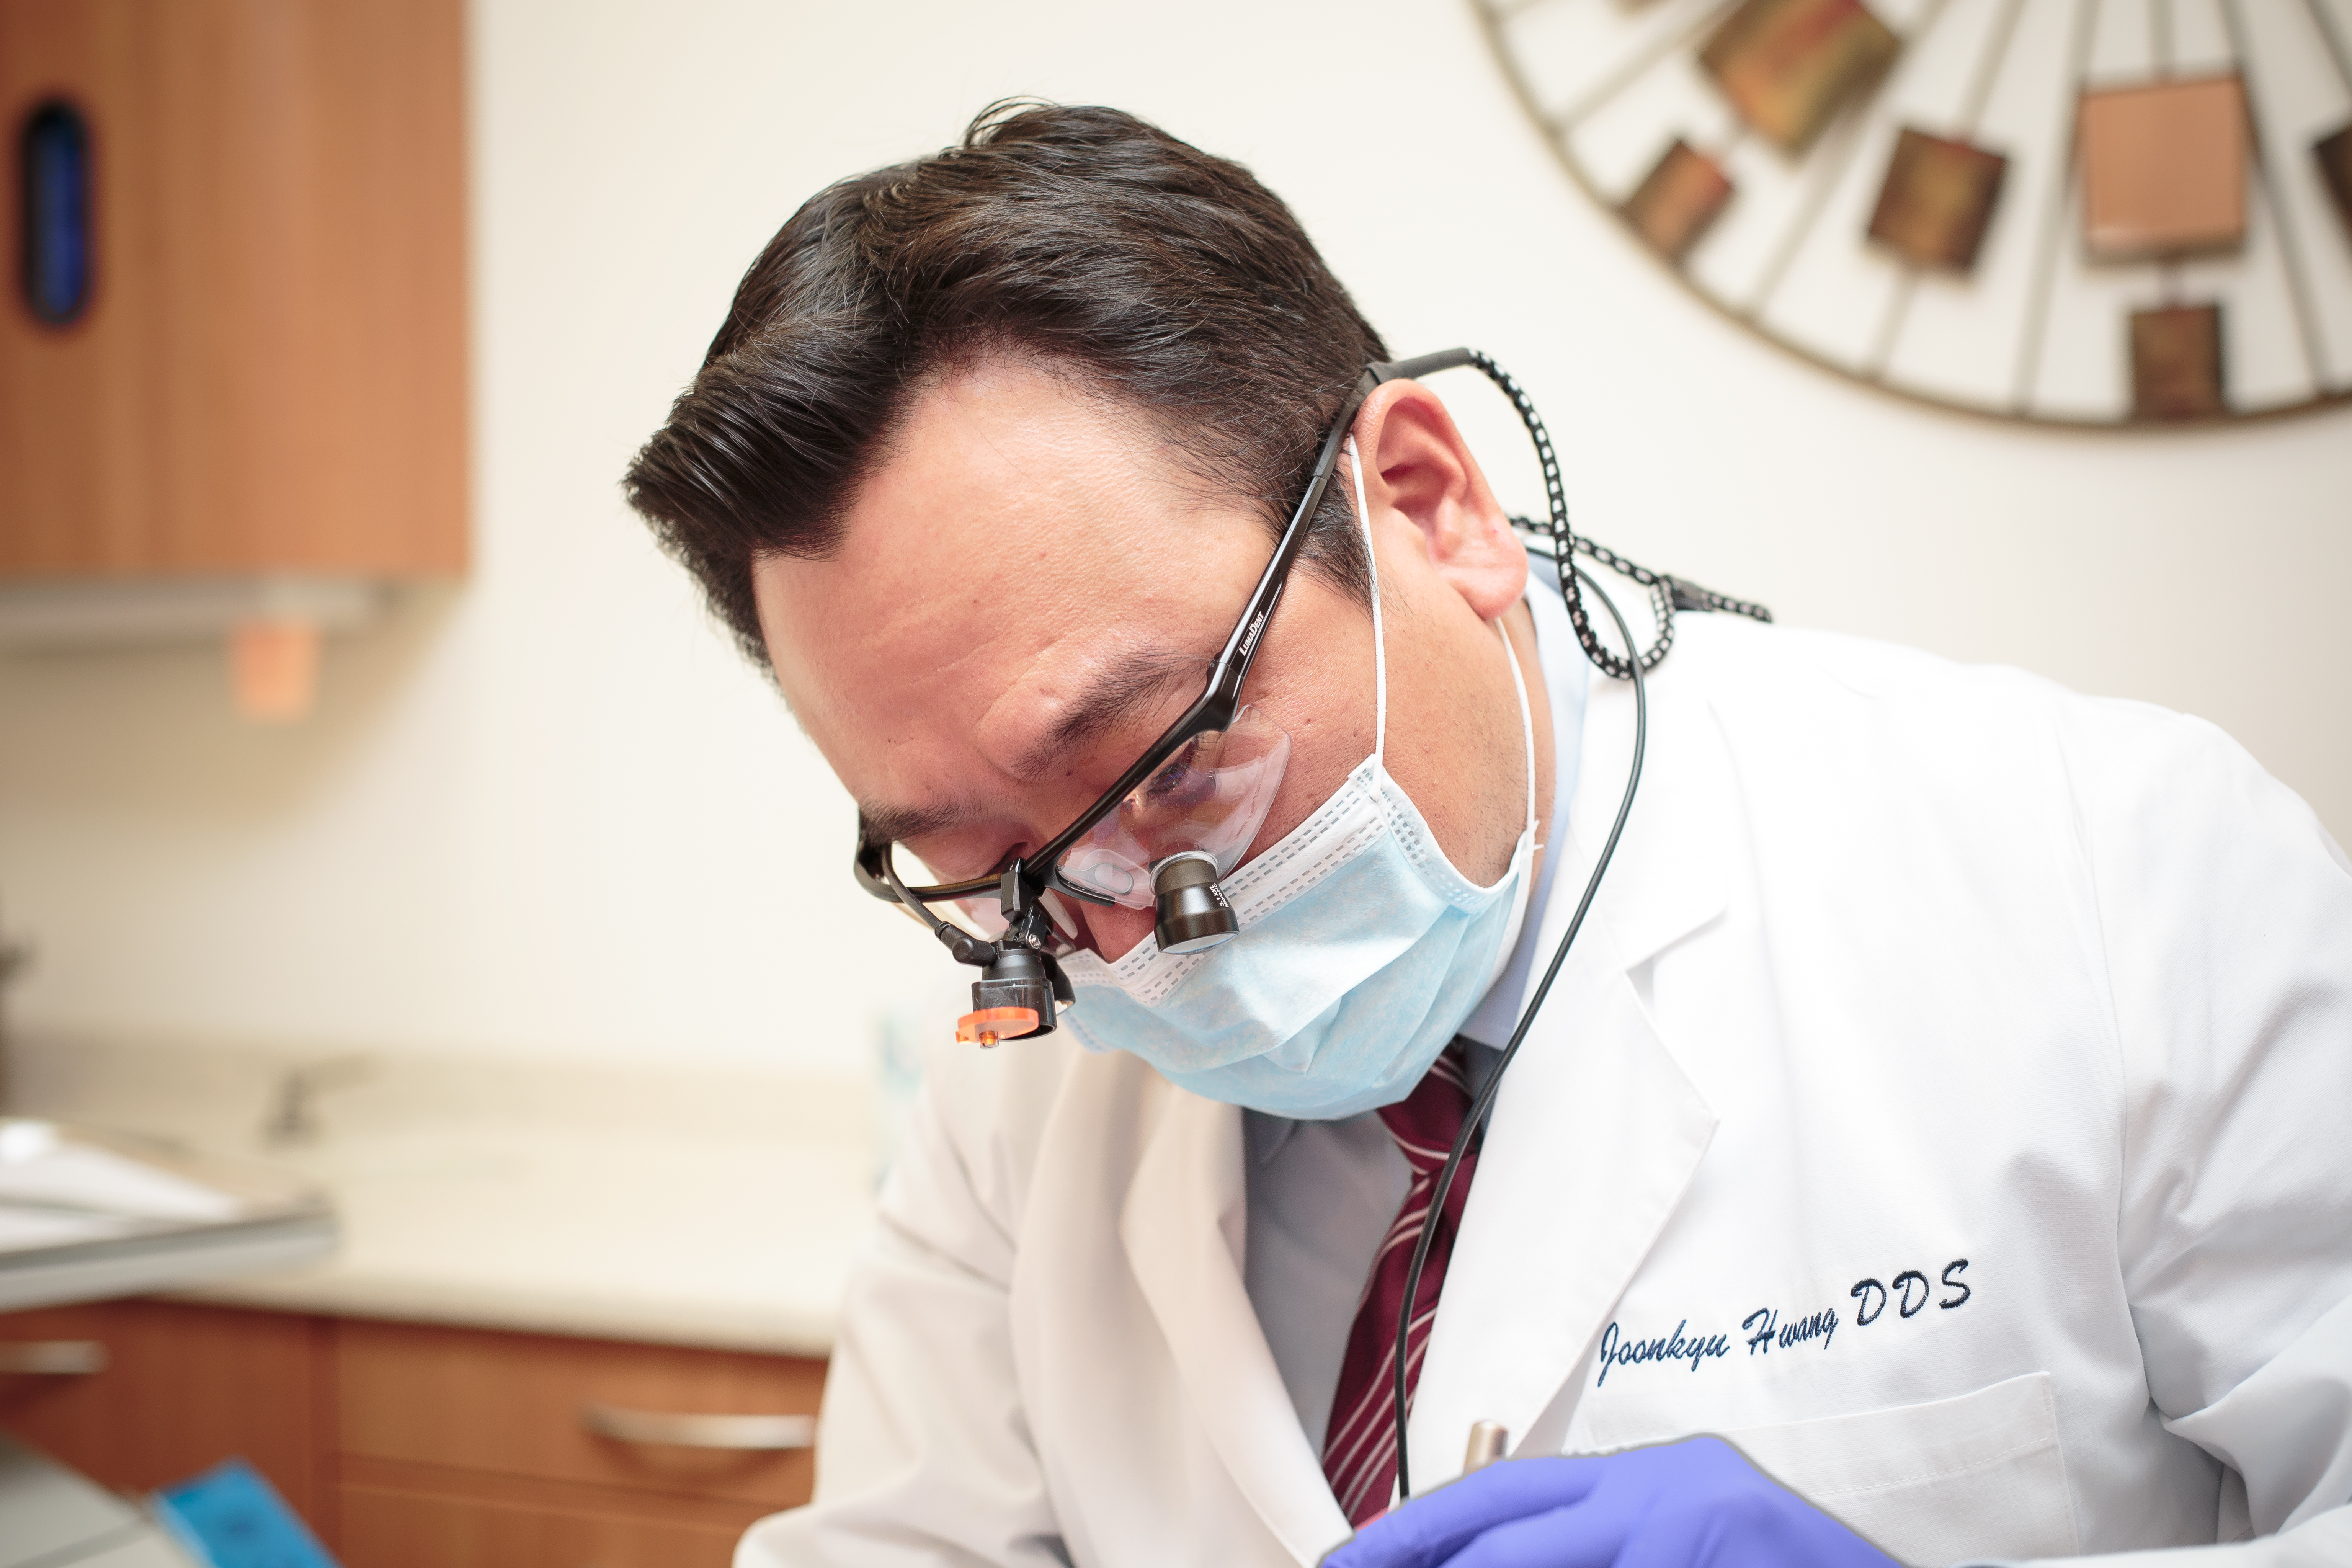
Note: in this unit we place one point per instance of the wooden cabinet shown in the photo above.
(511, 1404)
(184, 1387)
(269, 374)
(410, 1528)
(407, 1444)
(469, 1450)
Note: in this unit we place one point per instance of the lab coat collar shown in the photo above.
(1668, 877)
(1183, 1227)
(1597, 1131)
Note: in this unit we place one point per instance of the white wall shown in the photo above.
(548, 811)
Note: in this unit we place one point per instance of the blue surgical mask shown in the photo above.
(1361, 950)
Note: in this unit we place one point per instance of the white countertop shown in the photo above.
(687, 1207)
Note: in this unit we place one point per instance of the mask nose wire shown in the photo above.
(1379, 642)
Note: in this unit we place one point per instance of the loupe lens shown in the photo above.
(980, 914)
(1212, 797)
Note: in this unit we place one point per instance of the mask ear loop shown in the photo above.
(1527, 719)
(1523, 901)
(1380, 649)
(1379, 642)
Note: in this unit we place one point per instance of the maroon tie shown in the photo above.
(1360, 1445)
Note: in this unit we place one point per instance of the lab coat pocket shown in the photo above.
(1950, 1481)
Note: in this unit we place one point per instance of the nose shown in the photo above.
(1112, 930)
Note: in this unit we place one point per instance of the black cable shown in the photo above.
(1566, 543)
(1486, 1100)
(1667, 594)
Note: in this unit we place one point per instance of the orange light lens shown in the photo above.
(991, 1025)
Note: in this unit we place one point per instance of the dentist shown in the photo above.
(1931, 1150)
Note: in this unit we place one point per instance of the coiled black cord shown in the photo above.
(1485, 1102)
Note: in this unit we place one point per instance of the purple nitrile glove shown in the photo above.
(1692, 1504)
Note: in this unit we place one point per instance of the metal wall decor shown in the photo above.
(2086, 212)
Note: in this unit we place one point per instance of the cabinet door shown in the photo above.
(183, 1388)
(385, 1528)
(512, 1405)
(268, 374)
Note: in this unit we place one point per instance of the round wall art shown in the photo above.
(2077, 211)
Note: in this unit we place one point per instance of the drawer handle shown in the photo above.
(681, 1431)
(53, 1358)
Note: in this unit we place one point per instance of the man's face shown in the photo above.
(1028, 591)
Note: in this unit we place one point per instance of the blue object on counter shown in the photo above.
(231, 1516)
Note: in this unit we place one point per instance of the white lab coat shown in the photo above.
(1900, 964)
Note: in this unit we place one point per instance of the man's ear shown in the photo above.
(1418, 467)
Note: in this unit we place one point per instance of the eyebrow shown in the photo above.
(896, 823)
(1134, 683)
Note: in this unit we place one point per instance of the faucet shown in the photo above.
(293, 1115)
(15, 959)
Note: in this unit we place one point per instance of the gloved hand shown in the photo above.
(1693, 1504)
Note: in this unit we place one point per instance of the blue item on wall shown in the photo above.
(230, 1517)
(55, 173)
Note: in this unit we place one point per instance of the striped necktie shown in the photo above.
(1360, 1445)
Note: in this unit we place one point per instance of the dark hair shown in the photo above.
(1170, 282)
